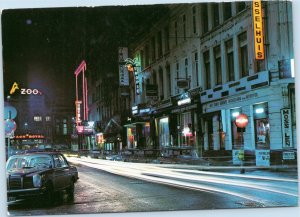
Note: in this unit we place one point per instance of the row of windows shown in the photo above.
(40, 118)
(221, 64)
(211, 15)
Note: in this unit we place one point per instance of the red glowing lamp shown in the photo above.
(241, 121)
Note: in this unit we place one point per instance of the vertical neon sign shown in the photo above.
(258, 30)
(81, 68)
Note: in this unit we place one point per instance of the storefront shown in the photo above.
(267, 136)
(186, 131)
(138, 128)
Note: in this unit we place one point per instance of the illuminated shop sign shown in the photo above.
(24, 91)
(258, 30)
(77, 105)
(286, 125)
(146, 110)
(184, 101)
(29, 136)
(123, 72)
(135, 110)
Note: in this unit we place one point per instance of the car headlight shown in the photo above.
(37, 180)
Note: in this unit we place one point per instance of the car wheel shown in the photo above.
(49, 195)
(70, 190)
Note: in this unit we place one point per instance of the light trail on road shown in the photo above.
(241, 186)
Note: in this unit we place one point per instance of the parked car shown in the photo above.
(114, 157)
(39, 175)
(95, 153)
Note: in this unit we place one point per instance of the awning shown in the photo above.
(135, 123)
(113, 126)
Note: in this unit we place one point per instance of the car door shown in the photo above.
(66, 169)
(59, 173)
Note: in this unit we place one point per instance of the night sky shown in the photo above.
(43, 47)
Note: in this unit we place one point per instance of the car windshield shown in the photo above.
(29, 162)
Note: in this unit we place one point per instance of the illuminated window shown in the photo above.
(37, 118)
(164, 132)
(48, 118)
(262, 126)
(65, 127)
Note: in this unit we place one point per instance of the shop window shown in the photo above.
(164, 132)
(131, 143)
(237, 140)
(185, 134)
(262, 126)
(216, 136)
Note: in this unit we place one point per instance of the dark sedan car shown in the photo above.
(39, 175)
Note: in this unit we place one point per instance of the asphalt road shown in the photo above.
(98, 191)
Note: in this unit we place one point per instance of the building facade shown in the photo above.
(199, 71)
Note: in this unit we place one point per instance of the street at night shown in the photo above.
(109, 186)
(155, 107)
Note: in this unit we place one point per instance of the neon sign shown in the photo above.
(258, 30)
(24, 91)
